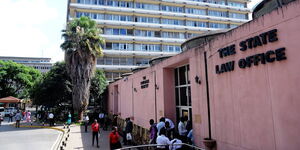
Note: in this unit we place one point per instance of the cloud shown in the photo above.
(26, 28)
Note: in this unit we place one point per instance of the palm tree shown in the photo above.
(82, 45)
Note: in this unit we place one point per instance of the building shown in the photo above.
(239, 87)
(39, 63)
(136, 31)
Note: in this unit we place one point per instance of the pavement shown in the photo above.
(79, 139)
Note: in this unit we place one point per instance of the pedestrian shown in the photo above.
(11, 115)
(161, 124)
(153, 132)
(114, 141)
(176, 143)
(51, 119)
(1, 118)
(162, 141)
(101, 117)
(69, 121)
(28, 116)
(95, 130)
(18, 119)
(124, 132)
(129, 128)
(182, 130)
(86, 122)
(169, 132)
(106, 122)
(190, 137)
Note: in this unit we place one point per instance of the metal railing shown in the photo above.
(153, 146)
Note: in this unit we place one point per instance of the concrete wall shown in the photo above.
(253, 108)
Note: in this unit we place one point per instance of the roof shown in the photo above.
(9, 99)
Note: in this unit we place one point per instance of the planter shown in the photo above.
(209, 143)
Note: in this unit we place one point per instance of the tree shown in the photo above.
(82, 45)
(16, 79)
(98, 85)
(53, 88)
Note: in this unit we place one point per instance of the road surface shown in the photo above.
(12, 138)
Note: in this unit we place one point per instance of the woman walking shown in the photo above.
(114, 141)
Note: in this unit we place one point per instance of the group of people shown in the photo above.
(167, 137)
(25, 115)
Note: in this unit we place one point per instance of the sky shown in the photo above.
(32, 28)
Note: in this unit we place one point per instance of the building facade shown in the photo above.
(138, 30)
(239, 87)
(39, 63)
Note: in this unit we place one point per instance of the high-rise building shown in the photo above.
(138, 30)
(40, 63)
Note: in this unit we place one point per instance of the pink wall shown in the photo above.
(253, 108)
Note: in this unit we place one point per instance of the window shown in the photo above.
(237, 15)
(218, 25)
(146, 6)
(171, 48)
(196, 23)
(217, 13)
(236, 4)
(195, 11)
(172, 21)
(171, 8)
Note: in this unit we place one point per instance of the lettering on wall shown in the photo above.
(254, 60)
(144, 83)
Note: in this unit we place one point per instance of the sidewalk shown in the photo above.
(79, 139)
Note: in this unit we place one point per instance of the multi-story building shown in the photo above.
(39, 63)
(138, 30)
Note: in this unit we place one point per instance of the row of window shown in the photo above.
(117, 3)
(151, 20)
(122, 61)
(42, 67)
(141, 47)
(156, 20)
(112, 75)
(147, 33)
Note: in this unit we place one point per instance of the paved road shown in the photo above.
(12, 138)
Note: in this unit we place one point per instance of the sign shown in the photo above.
(144, 83)
(254, 60)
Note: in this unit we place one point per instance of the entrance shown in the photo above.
(183, 93)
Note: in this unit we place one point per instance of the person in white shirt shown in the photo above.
(172, 126)
(160, 125)
(182, 130)
(175, 143)
(162, 141)
(51, 119)
(86, 121)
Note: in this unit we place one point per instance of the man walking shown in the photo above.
(86, 122)
(11, 115)
(51, 119)
(95, 130)
(18, 119)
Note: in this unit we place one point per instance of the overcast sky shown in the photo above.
(32, 28)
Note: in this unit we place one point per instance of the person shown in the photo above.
(129, 128)
(175, 143)
(28, 116)
(51, 119)
(69, 121)
(86, 122)
(95, 130)
(161, 124)
(124, 131)
(106, 122)
(18, 119)
(153, 132)
(172, 126)
(1, 118)
(11, 115)
(101, 118)
(182, 130)
(162, 141)
(115, 120)
(114, 139)
(190, 137)
(169, 132)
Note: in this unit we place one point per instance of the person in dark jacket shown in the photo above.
(128, 130)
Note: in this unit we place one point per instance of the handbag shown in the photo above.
(128, 136)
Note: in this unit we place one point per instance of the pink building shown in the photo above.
(239, 87)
